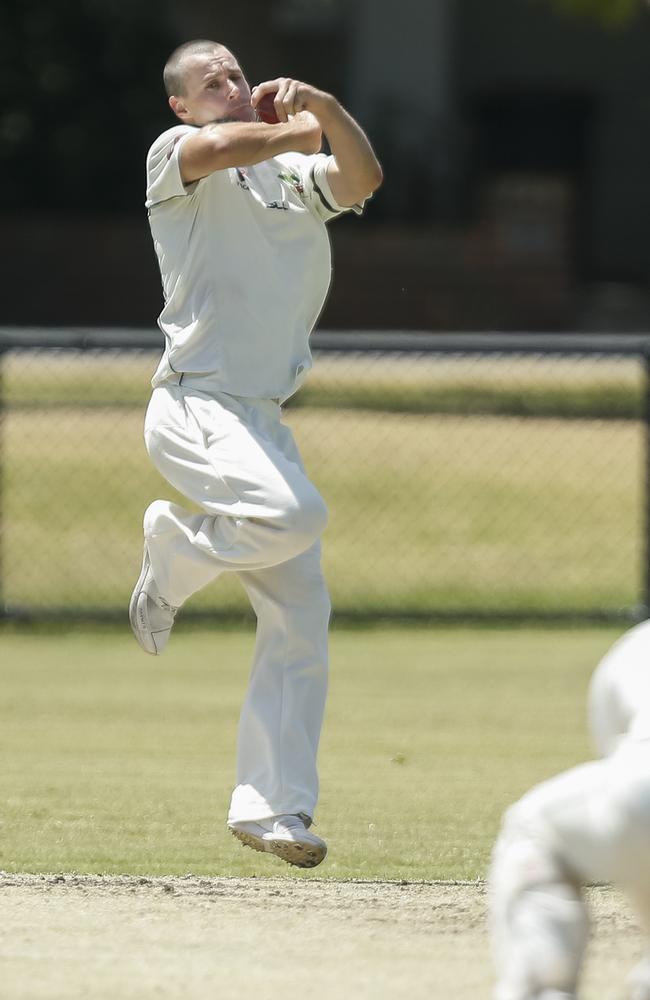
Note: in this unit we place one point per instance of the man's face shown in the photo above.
(215, 89)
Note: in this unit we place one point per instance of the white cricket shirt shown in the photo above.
(245, 264)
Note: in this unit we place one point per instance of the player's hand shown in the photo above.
(290, 97)
(309, 137)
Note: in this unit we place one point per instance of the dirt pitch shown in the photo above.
(73, 936)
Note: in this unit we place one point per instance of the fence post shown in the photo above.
(645, 608)
(3, 605)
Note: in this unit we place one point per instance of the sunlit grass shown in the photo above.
(117, 762)
(427, 512)
(452, 483)
(537, 385)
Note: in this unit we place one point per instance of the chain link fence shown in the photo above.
(467, 476)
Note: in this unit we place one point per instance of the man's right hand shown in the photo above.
(353, 172)
(309, 135)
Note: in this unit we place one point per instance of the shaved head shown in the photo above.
(174, 72)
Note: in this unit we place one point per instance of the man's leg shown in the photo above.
(638, 982)
(558, 836)
(280, 724)
(261, 517)
(282, 715)
(539, 923)
(239, 463)
(632, 762)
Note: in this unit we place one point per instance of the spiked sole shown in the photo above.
(292, 851)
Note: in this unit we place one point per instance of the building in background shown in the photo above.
(515, 140)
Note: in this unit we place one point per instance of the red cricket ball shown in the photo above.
(266, 109)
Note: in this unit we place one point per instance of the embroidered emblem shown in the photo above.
(278, 204)
(292, 178)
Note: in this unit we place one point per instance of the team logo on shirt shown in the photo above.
(293, 179)
(241, 179)
(242, 182)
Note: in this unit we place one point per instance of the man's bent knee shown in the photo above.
(306, 517)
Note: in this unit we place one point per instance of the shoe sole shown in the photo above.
(137, 610)
(293, 852)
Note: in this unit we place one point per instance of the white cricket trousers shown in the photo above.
(261, 518)
(590, 824)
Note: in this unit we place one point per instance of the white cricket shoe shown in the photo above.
(150, 615)
(285, 836)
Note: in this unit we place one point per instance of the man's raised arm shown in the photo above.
(241, 144)
(355, 172)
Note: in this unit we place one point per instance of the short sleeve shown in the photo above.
(312, 185)
(164, 179)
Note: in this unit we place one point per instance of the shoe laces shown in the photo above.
(294, 821)
(165, 605)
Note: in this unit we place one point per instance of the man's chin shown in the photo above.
(233, 118)
(243, 114)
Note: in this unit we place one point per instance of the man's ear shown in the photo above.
(179, 109)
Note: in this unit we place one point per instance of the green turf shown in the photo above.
(450, 485)
(117, 762)
(427, 512)
(596, 387)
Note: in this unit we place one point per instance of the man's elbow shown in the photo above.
(372, 180)
(214, 148)
(377, 178)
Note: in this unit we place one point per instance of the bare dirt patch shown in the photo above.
(191, 938)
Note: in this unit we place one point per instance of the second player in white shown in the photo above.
(590, 824)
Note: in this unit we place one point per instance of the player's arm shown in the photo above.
(241, 144)
(354, 173)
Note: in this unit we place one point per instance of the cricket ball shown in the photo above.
(266, 110)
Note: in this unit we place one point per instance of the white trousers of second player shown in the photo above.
(261, 518)
(590, 824)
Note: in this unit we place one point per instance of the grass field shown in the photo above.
(120, 764)
(114, 762)
(427, 512)
(587, 386)
(454, 484)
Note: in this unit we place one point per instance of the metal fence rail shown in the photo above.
(482, 476)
